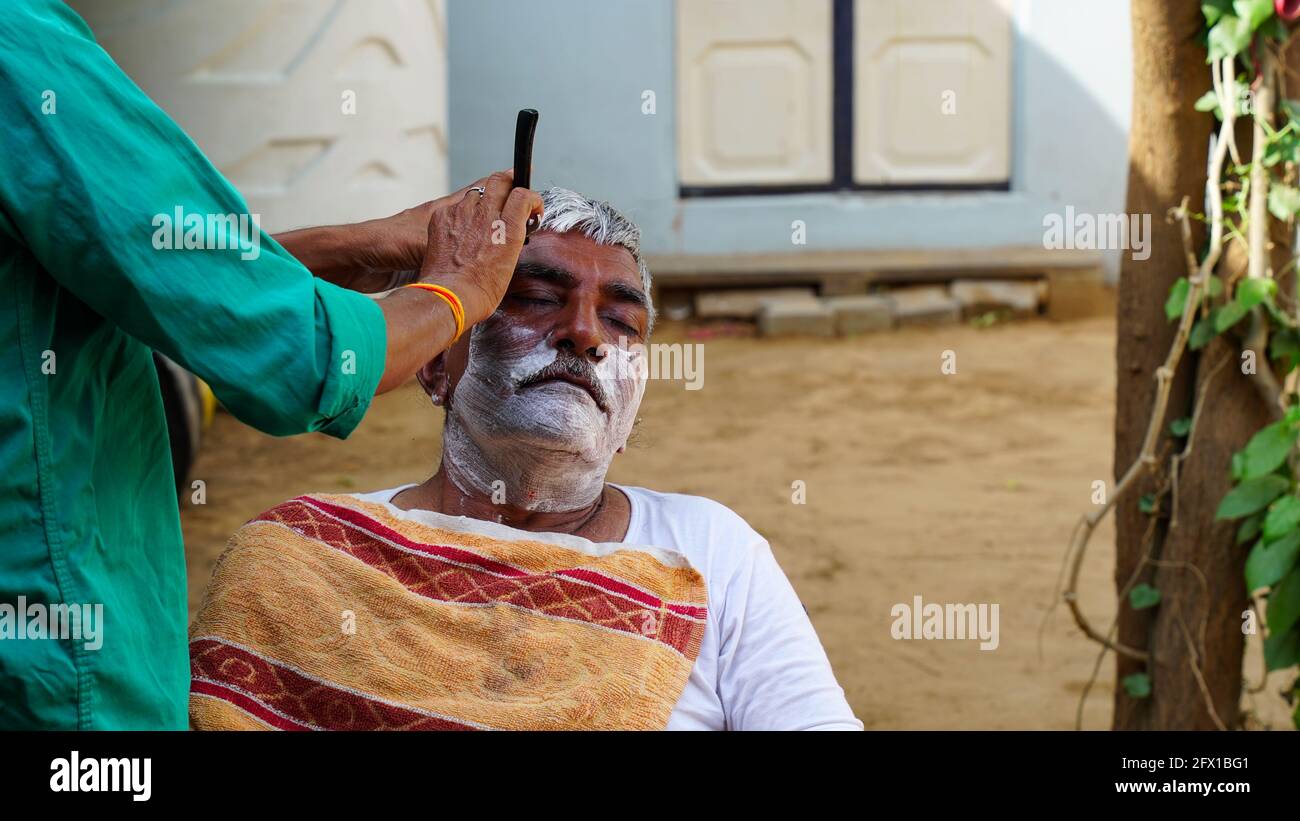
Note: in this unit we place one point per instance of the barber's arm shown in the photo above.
(82, 190)
(472, 244)
(454, 241)
(369, 257)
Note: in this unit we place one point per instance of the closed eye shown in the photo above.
(534, 300)
(631, 331)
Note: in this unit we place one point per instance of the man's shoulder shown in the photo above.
(682, 512)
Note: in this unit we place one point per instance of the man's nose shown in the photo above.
(579, 333)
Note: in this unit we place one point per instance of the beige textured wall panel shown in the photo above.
(932, 91)
(754, 91)
(259, 85)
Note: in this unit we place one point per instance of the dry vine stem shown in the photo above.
(1198, 279)
(1254, 340)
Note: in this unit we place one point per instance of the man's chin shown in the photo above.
(562, 424)
(579, 434)
(557, 392)
(583, 446)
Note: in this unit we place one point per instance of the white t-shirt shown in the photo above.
(761, 665)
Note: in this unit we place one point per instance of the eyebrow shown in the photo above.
(618, 291)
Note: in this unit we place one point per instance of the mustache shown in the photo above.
(571, 368)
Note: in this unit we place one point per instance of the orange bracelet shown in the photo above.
(453, 302)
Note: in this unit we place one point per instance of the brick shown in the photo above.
(1078, 294)
(744, 303)
(843, 284)
(675, 304)
(860, 313)
(925, 305)
(795, 318)
(977, 296)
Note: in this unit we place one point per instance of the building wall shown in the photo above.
(586, 64)
(319, 111)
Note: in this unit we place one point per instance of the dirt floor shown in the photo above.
(958, 488)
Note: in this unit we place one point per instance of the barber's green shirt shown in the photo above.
(88, 508)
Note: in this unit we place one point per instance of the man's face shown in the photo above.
(547, 370)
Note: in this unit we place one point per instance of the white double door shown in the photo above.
(931, 101)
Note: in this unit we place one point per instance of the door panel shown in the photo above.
(754, 82)
(932, 91)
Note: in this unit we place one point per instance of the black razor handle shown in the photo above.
(525, 130)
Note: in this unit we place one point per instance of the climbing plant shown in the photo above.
(1246, 44)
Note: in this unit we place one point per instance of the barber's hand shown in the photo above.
(393, 248)
(404, 236)
(472, 253)
(389, 251)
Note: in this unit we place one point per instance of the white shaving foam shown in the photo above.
(549, 443)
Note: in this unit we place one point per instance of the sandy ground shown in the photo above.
(958, 488)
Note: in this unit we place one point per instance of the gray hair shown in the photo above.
(599, 221)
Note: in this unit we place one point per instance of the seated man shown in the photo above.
(516, 588)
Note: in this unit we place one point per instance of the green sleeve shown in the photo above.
(91, 171)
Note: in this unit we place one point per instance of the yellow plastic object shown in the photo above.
(209, 401)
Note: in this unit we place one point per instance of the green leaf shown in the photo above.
(1254, 12)
(1229, 315)
(1214, 9)
(1282, 518)
(1143, 596)
(1252, 496)
(1284, 603)
(1237, 466)
(1283, 201)
(1147, 503)
(1180, 427)
(1273, 27)
(1177, 300)
(1284, 347)
(1251, 292)
(1249, 528)
(1209, 101)
(1202, 332)
(1282, 148)
(1281, 318)
(1269, 562)
(1268, 449)
(1214, 286)
(1228, 38)
(1137, 685)
(1282, 650)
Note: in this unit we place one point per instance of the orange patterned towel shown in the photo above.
(329, 612)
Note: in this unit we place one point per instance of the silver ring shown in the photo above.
(480, 189)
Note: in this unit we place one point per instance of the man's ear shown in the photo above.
(433, 378)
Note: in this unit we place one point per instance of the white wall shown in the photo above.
(259, 85)
(1075, 79)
